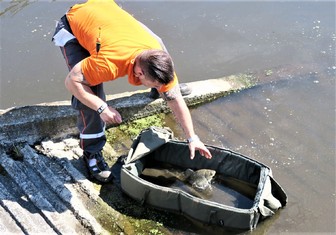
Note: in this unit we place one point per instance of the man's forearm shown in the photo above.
(75, 83)
(182, 115)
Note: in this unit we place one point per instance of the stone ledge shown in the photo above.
(31, 124)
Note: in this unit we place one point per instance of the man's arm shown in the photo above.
(79, 87)
(182, 115)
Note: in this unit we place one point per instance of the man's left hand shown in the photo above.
(198, 145)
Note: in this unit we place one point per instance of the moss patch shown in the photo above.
(15, 153)
(133, 128)
(268, 72)
(121, 137)
(140, 219)
(248, 80)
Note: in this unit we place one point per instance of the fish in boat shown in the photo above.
(200, 180)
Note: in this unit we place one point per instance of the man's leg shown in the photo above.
(89, 123)
(92, 137)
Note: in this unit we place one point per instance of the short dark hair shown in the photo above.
(157, 65)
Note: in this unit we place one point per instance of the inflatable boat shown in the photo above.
(244, 191)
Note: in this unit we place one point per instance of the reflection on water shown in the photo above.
(206, 40)
(14, 6)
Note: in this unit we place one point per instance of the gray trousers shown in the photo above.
(91, 127)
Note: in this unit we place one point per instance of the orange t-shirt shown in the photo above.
(121, 36)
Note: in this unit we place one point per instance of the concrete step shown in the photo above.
(42, 196)
(18, 215)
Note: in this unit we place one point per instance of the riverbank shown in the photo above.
(44, 184)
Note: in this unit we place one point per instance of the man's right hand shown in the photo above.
(111, 116)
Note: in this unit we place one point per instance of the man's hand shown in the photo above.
(198, 145)
(111, 116)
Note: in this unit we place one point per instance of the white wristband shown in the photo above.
(101, 108)
(193, 138)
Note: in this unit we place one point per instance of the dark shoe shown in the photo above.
(100, 171)
(184, 88)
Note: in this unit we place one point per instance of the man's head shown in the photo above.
(156, 66)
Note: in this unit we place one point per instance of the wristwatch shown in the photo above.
(193, 138)
(101, 108)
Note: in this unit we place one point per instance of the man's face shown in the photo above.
(150, 83)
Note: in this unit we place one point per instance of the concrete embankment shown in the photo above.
(31, 124)
(43, 183)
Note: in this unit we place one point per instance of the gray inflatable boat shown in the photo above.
(253, 192)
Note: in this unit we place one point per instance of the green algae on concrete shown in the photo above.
(129, 130)
(268, 72)
(247, 79)
(15, 153)
(212, 89)
(119, 214)
(140, 219)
